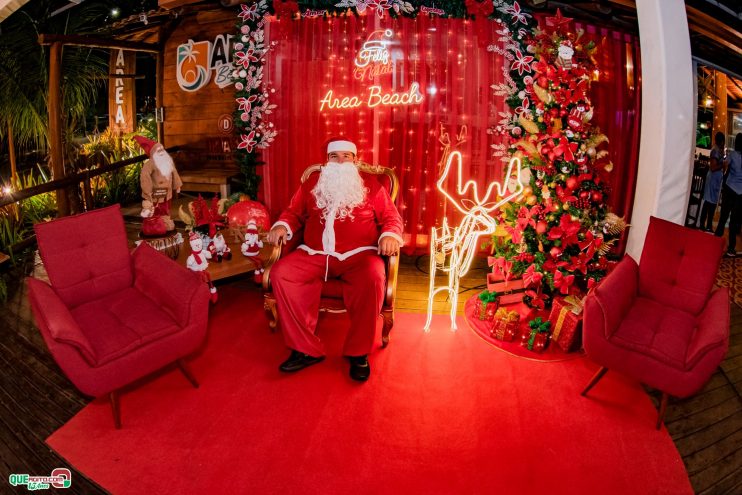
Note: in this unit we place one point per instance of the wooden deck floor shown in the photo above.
(36, 399)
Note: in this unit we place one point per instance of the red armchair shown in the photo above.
(661, 322)
(109, 316)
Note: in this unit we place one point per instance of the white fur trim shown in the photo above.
(288, 229)
(341, 146)
(328, 234)
(392, 234)
(341, 256)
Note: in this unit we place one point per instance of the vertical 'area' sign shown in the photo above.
(121, 97)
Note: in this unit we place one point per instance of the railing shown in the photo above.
(67, 181)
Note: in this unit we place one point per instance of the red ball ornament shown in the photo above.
(571, 182)
(554, 111)
(542, 81)
(597, 196)
(541, 227)
(243, 211)
(563, 112)
(584, 194)
(555, 252)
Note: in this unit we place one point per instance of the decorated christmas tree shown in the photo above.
(560, 228)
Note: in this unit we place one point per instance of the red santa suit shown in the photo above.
(345, 248)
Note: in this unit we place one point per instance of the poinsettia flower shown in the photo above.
(245, 58)
(525, 219)
(563, 282)
(523, 107)
(518, 14)
(248, 13)
(566, 149)
(381, 6)
(516, 234)
(247, 142)
(531, 276)
(591, 283)
(522, 63)
(246, 103)
(579, 264)
(569, 226)
(537, 300)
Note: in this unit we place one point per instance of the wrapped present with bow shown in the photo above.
(566, 322)
(506, 324)
(486, 305)
(537, 338)
(509, 290)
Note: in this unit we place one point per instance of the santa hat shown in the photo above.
(566, 43)
(340, 144)
(193, 236)
(147, 144)
(252, 227)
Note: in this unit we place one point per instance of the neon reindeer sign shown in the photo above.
(452, 250)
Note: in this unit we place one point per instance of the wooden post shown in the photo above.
(159, 92)
(720, 104)
(11, 154)
(55, 124)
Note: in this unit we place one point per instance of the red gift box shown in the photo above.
(566, 322)
(486, 311)
(540, 341)
(508, 291)
(505, 325)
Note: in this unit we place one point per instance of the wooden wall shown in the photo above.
(192, 118)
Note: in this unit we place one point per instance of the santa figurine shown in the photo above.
(219, 249)
(566, 52)
(158, 179)
(198, 262)
(252, 244)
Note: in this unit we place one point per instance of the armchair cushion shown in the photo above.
(57, 318)
(678, 267)
(86, 260)
(614, 296)
(653, 329)
(115, 330)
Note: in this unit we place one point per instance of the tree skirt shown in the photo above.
(483, 327)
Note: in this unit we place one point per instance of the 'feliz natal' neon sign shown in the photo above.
(373, 60)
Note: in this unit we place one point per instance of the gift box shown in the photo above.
(508, 291)
(486, 305)
(506, 324)
(538, 336)
(566, 322)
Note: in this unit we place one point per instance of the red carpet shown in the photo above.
(443, 413)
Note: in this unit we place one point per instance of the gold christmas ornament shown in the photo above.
(608, 167)
(542, 94)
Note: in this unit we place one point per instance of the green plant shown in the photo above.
(36, 208)
(12, 228)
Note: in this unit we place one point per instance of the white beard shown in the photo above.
(164, 163)
(339, 190)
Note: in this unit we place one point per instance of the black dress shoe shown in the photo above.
(298, 361)
(359, 368)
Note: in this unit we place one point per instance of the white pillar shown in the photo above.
(667, 126)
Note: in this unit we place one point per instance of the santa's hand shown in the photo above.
(388, 246)
(277, 235)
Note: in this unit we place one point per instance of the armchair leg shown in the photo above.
(595, 379)
(187, 372)
(269, 305)
(113, 398)
(663, 409)
(388, 317)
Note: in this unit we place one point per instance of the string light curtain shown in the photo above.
(449, 62)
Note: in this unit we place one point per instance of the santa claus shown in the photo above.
(198, 261)
(349, 220)
(219, 248)
(252, 244)
(158, 179)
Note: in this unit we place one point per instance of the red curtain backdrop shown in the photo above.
(449, 61)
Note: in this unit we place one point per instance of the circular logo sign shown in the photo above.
(226, 124)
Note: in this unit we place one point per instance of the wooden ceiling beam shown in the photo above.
(91, 42)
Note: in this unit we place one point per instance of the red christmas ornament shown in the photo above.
(584, 194)
(571, 182)
(241, 212)
(541, 227)
(597, 196)
(555, 252)
(542, 81)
